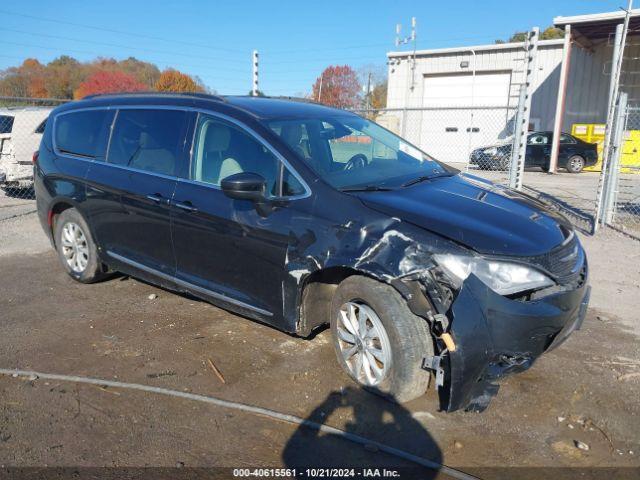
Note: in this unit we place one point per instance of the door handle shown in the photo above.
(157, 198)
(187, 206)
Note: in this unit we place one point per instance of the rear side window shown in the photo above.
(83, 133)
(148, 140)
(40, 128)
(6, 123)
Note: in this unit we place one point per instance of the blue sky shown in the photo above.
(296, 39)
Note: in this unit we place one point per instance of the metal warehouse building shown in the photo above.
(450, 101)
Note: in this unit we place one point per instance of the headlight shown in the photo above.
(490, 151)
(504, 278)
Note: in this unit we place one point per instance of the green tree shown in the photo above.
(518, 37)
(549, 33)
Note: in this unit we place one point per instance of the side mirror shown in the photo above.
(244, 186)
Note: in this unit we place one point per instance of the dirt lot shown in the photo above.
(586, 391)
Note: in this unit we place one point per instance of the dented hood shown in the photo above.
(478, 214)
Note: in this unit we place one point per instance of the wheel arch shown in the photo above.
(59, 205)
(316, 294)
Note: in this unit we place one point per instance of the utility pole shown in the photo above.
(410, 39)
(411, 63)
(319, 99)
(369, 91)
(254, 69)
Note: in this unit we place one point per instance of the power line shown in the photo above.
(60, 37)
(121, 32)
(86, 52)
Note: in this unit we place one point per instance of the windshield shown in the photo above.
(350, 152)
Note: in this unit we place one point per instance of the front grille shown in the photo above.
(564, 263)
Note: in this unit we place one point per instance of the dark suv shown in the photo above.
(299, 215)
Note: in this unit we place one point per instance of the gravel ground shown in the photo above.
(585, 391)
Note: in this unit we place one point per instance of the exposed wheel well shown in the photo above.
(317, 293)
(54, 212)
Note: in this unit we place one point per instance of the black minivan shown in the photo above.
(299, 216)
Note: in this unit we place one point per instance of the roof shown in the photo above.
(599, 26)
(25, 109)
(594, 18)
(273, 107)
(477, 48)
(258, 107)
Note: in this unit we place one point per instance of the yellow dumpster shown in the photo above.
(591, 133)
(630, 159)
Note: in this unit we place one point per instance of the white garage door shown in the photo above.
(450, 128)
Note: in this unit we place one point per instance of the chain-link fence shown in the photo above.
(22, 122)
(621, 195)
(475, 140)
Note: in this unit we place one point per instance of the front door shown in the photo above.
(226, 248)
(131, 192)
(538, 150)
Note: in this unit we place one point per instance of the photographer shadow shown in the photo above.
(369, 417)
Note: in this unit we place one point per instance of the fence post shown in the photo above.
(519, 147)
(610, 186)
(517, 153)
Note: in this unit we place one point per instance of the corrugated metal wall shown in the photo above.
(587, 85)
(401, 95)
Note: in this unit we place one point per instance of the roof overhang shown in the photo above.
(474, 48)
(599, 27)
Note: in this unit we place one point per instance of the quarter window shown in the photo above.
(222, 149)
(40, 128)
(566, 139)
(6, 123)
(83, 133)
(148, 140)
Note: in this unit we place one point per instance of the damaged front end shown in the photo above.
(485, 332)
(489, 315)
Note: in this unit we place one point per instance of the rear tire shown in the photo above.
(398, 338)
(76, 249)
(575, 164)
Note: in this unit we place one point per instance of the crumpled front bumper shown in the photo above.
(495, 336)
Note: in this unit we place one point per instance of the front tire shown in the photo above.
(575, 164)
(76, 249)
(379, 342)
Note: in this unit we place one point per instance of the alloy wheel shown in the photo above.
(363, 343)
(74, 247)
(576, 164)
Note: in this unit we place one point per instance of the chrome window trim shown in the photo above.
(199, 111)
(188, 285)
(260, 139)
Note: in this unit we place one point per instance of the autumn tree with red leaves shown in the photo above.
(108, 82)
(337, 86)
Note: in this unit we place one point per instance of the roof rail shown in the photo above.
(295, 99)
(206, 96)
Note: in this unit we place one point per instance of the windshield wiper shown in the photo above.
(424, 178)
(366, 188)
